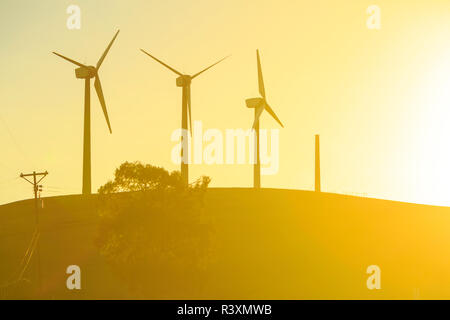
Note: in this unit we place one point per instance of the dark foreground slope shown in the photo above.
(266, 244)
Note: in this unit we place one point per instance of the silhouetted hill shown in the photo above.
(266, 244)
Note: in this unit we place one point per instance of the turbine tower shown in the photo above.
(184, 81)
(87, 73)
(317, 165)
(259, 104)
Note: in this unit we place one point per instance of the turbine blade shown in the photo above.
(70, 60)
(270, 111)
(98, 89)
(100, 61)
(199, 73)
(259, 110)
(189, 108)
(262, 91)
(165, 65)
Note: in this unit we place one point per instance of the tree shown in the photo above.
(153, 230)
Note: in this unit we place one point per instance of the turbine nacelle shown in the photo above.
(254, 102)
(86, 72)
(183, 81)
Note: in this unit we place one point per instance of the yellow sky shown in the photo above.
(378, 98)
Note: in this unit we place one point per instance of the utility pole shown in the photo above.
(317, 165)
(36, 187)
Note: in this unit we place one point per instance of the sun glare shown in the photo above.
(431, 145)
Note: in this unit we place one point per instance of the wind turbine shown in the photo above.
(184, 81)
(87, 73)
(259, 104)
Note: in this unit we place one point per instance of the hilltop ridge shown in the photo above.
(267, 244)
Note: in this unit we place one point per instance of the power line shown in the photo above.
(7, 181)
(62, 188)
(13, 139)
(17, 276)
(27, 258)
